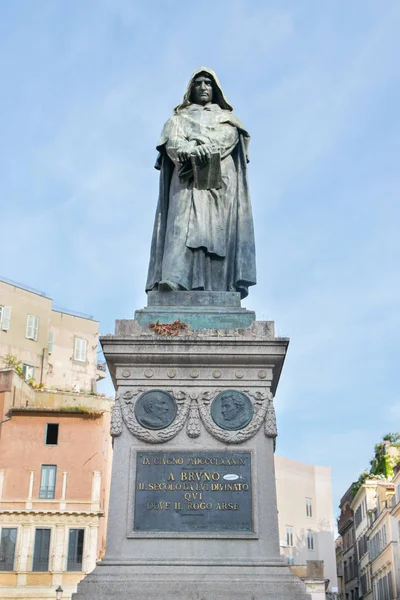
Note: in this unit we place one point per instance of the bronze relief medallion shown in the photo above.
(232, 410)
(155, 409)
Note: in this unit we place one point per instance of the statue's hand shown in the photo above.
(203, 152)
(183, 155)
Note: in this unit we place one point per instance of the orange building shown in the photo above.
(55, 459)
(55, 456)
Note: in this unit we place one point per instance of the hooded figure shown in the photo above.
(203, 236)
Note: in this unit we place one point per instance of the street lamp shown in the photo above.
(59, 592)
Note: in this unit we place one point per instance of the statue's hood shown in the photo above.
(219, 99)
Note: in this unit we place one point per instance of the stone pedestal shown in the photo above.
(193, 503)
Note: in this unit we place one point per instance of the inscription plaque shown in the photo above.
(193, 491)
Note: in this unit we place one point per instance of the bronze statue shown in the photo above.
(203, 236)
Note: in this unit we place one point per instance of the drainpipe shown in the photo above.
(42, 367)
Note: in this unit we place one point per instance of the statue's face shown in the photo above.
(229, 409)
(202, 90)
(160, 406)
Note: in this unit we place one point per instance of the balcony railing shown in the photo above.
(47, 492)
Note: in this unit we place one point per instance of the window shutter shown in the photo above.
(80, 349)
(5, 325)
(84, 346)
(32, 325)
(50, 342)
(77, 348)
(29, 327)
(35, 328)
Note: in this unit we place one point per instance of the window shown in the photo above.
(362, 545)
(310, 540)
(75, 549)
(390, 584)
(290, 560)
(308, 507)
(289, 536)
(80, 349)
(51, 434)
(383, 587)
(363, 581)
(28, 371)
(358, 516)
(50, 343)
(32, 326)
(5, 317)
(41, 550)
(7, 548)
(48, 482)
(384, 536)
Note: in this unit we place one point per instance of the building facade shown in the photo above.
(367, 550)
(339, 566)
(57, 348)
(395, 531)
(55, 459)
(362, 505)
(55, 447)
(383, 545)
(349, 555)
(305, 514)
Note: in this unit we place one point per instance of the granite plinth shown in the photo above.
(199, 310)
(196, 556)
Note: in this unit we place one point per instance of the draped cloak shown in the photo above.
(203, 239)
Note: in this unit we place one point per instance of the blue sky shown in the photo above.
(86, 88)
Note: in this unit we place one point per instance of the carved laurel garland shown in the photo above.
(193, 424)
(193, 411)
(127, 402)
(270, 420)
(116, 417)
(261, 401)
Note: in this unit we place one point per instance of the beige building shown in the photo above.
(346, 551)
(57, 348)
(306, 522)
(395, 530)
(363, 504)
(339, 566)
(383, 536)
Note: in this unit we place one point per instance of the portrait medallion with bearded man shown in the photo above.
(155, 409)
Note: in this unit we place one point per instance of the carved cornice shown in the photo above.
(28, 517)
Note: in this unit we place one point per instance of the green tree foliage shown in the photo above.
(386, 457)
(11, 361)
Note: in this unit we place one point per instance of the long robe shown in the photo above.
(203, 239)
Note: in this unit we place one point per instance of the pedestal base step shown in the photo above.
(119, 582)
(199, 310)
